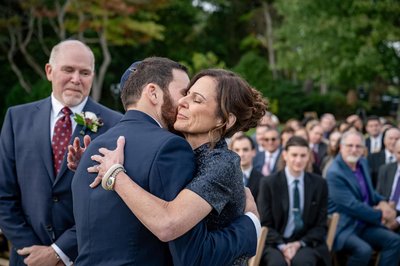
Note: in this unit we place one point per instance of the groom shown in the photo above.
(108, 232)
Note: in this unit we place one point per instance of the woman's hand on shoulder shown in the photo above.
(106, 159)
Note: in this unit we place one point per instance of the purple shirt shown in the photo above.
(362, 183)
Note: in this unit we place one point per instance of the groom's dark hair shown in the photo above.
(157, 70)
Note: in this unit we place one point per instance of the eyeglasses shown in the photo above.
(350, 146)
(269, 139)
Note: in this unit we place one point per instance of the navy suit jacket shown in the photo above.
(386, 177)
(35, 205)
(345, 197)
(162, 163)
(274, 213)
(254, 182)
(375, 161)
(259, 159)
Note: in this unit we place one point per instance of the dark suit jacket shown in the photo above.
(386, 177)
(322, 153)
(273, 205)
(375, 161)
(345, 197)
(259, 159)
(162, 163)
(35, 205)
(254, 182)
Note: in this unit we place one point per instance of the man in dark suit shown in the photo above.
(266, 162)
(108, 232)
(318, 147)
(374, 142)
(389, 185)
(363, 212)
(35, 194)
(244, 147)
(385, 156)
(296, 222)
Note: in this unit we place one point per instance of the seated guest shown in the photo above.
(244, 147)
(386, 155)
(363, 212)
(286, 134)
(374, 141)
(318, 147)
(266, 162)
(389, 185)
(328, 123)
(293, 205)
(333, 150)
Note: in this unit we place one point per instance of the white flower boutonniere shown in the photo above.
(89, 121)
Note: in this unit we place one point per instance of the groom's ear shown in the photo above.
(152, 92)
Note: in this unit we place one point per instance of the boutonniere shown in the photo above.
(89, 121)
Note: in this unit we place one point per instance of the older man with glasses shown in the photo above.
(266, 162)
(364, 213)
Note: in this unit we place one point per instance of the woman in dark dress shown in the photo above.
(218, 103)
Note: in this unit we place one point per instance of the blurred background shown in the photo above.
(305, 56)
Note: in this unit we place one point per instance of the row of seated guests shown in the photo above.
(389, 247)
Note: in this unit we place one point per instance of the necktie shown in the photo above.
(391, 159)
(245, 179)
(298, 222)
(266, 170)
(396, 194)
(61, 136)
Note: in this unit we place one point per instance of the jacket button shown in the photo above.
(55, 199)
(49, 227)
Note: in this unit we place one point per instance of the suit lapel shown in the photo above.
(391, 175)
(308, 192)
(284, 190)
(42, 129)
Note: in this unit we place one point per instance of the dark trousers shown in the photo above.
(361, 244)
(304, 257)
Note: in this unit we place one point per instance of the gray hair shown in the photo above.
(349, 133)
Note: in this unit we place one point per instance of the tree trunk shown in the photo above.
(270, 39)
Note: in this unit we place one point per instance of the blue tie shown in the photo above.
(245, 179)
(298, 222)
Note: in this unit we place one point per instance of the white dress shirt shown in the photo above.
(290, 183)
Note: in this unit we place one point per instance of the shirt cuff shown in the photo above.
(281, 246)
(256, 222)
(62, 255)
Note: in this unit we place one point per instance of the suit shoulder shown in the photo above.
(26, 106)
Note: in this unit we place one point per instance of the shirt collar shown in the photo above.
(290, 178)
(247, 171)
(388, 154)
(56, 106)
(272, 155)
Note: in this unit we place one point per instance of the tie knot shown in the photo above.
(66, 111)
(296, 182)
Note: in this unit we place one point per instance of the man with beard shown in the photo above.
(162, 163)
(363, 212)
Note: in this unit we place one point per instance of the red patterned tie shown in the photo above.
(61, 136)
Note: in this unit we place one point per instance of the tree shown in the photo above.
(32, 25)
(339, 42)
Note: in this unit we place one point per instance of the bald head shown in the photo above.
(67, 44)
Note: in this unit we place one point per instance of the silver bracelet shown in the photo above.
(108, 180)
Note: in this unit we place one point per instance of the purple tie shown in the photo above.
(396, 194)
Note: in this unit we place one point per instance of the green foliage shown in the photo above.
(17, 95)
(254, 69)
